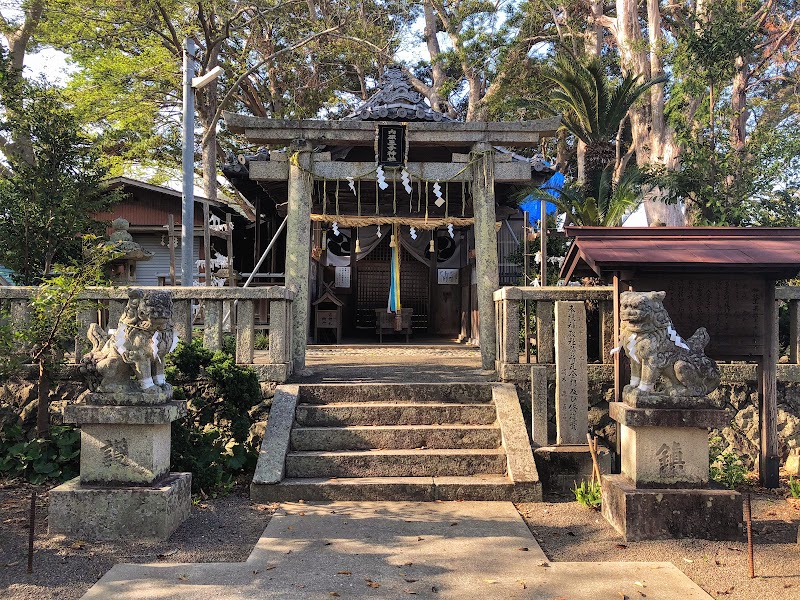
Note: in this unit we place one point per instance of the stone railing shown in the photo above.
(537, 325)
(537, 343)
(276, 365)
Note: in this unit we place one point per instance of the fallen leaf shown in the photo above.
(543, 564)
(183, 577)
(621, 546)
(301, 501)
(411, 580)
(523, 584)
(408, 564)
(408, 591)
(269, 568)
(623, 596)
(372, 584)
(492, 581)
(78, 545)
(453, 523)
(419, 539)
(164, 555)
(640, 583)
(642, 594)
(735, 549)
(344, 573)
(302, 514)
(334, 594)
(522, 549)
(688, 560)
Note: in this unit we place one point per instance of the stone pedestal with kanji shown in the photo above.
(664, 489)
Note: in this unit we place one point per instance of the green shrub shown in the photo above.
(726, 468)
(39, 460)
(261, 341)
(588, 494)
(211, 441)
(229, 344)
(187, 361)
(794, 487)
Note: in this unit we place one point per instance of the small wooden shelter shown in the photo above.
(720, 278)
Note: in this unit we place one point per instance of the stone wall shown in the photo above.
(737, 394)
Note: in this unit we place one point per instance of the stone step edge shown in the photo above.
(409, 403)
(401, 427)
(424, 489)
(431, 452)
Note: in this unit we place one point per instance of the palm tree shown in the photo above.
(593, 109)
(606, 208)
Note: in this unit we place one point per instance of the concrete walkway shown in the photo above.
(457, 550)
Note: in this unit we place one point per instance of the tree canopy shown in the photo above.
(718, 127)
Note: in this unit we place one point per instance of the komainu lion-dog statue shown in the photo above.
(130, 358)
(656, 350)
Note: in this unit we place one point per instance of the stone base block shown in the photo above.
(657, 514)
(665, 457)
(105, 513)
(636, 398)
(561, 467)
(124, 454)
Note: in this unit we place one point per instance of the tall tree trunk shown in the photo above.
(17, 41)
(654, 143)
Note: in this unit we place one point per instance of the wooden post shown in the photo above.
(229, 240)
(794, 331)
(207, 242)
(769, 459)
(171, 245)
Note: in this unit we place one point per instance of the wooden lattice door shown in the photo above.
(373, 286)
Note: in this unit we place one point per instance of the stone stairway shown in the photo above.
(452, 441)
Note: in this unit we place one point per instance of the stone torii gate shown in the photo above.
(422, 129)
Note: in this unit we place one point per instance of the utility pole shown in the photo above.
(187, 212)
(190, 84)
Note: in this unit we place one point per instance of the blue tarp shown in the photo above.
(533, 205)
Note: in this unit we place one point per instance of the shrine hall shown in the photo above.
(391, 215)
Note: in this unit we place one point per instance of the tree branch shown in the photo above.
(231, 92)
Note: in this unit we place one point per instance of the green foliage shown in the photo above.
(261, 341)
(50, 185)
(40, 460)
(588, 494)
(725, 467)
(794, 486)
(211, 441)
(187, 361)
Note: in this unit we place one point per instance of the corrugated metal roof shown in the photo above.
(602, 250)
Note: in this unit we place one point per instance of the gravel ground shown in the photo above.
(226, 529)
(567, 531)
(218, 530)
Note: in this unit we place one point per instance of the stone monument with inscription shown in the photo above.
(664, 417)
(125, 489)
(568, 461)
